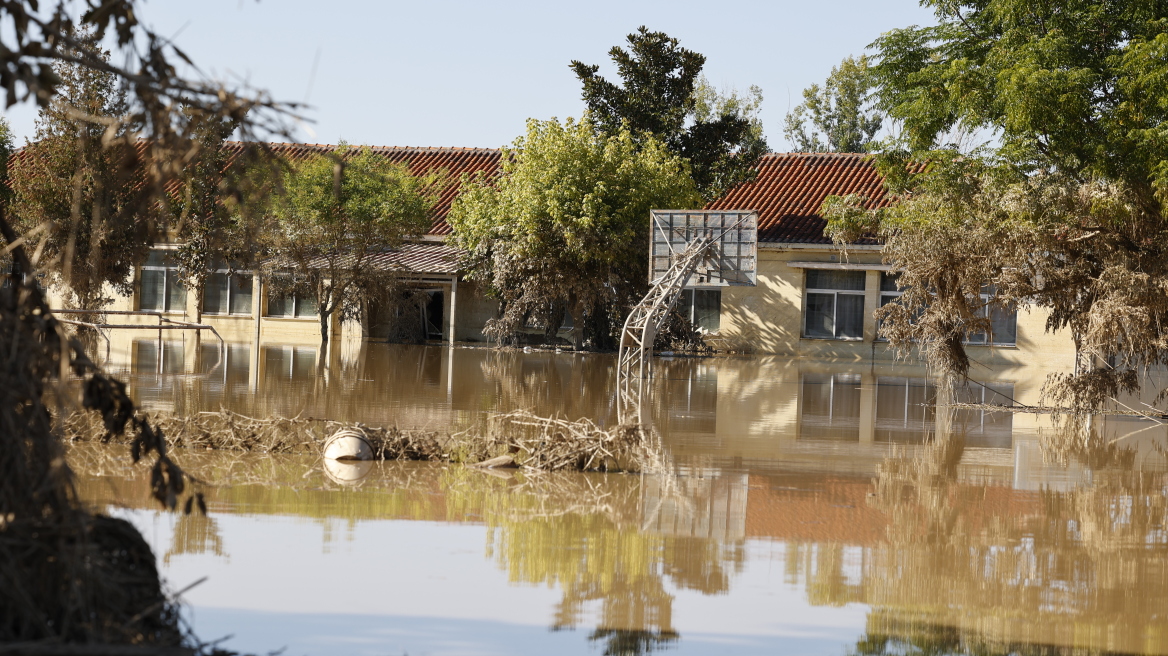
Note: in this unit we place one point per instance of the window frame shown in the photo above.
(296, 300)
(808, 290)
(989, 340)
(169, 275)
(229, 274)
(691, 306)
(984, 296)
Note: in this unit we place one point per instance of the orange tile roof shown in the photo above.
(454, 161)
(787, 194)
(791, 187)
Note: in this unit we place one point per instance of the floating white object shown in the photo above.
(347, 472)
(497, 461)
(348, 444)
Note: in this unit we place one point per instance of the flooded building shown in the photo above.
(811, 299)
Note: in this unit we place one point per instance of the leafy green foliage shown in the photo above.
(841, 112)
(1065, 211)
(565, 228)
(72, 185)
(209, 231)
(336, 215)
(659, 98)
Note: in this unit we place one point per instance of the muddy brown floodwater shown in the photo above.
(815, 508)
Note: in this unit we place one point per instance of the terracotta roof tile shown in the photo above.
(787, 194)
(791, 187)
(454, 161)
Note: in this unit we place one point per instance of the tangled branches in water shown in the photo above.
(526, 439)
(69, 574)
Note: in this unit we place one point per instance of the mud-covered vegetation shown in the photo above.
(519, 439)
(1028, 168)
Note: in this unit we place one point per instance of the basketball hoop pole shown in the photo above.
(642, 324)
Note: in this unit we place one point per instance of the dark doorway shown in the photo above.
(432, 314)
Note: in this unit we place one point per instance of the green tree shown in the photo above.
(209, 231)
(657, 99)
(336, 216)
(71, 184)
(840, 116)
(1064, 211)
(565, 228)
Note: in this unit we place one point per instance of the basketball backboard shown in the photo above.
(731, 260)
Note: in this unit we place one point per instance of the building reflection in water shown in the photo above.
(965, 532)
(897, 409)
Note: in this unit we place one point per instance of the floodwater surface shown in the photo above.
(813, 508)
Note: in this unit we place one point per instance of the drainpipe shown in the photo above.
(453, 299)
(257, 307)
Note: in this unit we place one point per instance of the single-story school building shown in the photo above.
(809, 301)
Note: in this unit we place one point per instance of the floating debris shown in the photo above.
(520, 438)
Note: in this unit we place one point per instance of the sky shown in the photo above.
(453, 73)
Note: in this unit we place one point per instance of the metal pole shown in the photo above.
(453, 305)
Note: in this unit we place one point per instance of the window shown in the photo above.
(830, 407)
(1003, 322)
(835, 304)
(703, 308)
(228, 294)
(159, 287)
(158, 357)
(291, 305)
(889, 291)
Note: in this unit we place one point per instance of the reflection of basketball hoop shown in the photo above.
(720, 248)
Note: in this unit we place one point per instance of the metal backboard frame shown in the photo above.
(731, 260)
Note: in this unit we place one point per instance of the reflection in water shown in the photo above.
(841, 479)
(971, 569)
(899, 410)
(945, 565)
(831, 407)
(195, 534)
(623, 642)
(346, 472)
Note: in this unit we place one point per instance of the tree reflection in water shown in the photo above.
(969, 568)
(908, 638)
(625, 642)
(584, 535)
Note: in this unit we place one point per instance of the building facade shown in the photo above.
(811, 300)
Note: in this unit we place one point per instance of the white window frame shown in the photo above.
(836, 293)
(296, 298)
(228, 274)
(167, 273)
(990, 341)
(692, 314)
(985, 309)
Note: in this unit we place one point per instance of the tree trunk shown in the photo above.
(324, 326)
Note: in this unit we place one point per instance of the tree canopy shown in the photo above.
(564, 228)
(72, 184)
(840, 116)
(336, 215)
(657, 98)
(1062, 207)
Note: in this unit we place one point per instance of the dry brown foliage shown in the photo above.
(534, 442)
(66, 574)
(1092, 253)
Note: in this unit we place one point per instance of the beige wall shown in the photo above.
(765, 319)
(768, 318)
